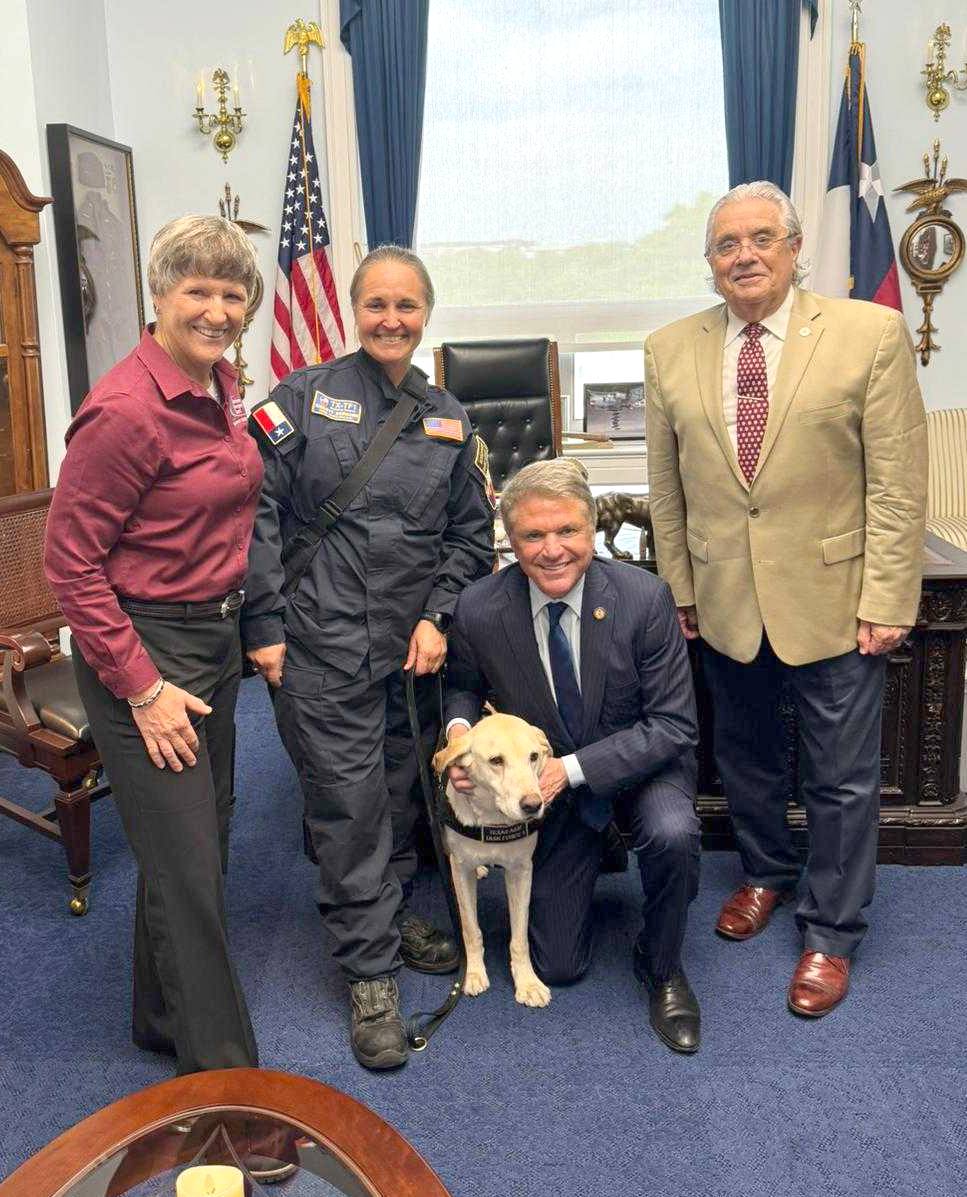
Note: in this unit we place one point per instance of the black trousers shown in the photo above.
(838, 703)
(666, 839)
(187, 996)
(349, 740)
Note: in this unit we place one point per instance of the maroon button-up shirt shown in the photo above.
(155, 500)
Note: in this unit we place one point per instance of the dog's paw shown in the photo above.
(476, 981)
(531, 991)
(482, 872)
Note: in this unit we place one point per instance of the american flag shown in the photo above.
(308, 327)
(855, 255)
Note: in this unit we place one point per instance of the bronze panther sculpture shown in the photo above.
(615, 509)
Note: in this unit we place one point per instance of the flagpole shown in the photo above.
(855, 6)
(300, 34)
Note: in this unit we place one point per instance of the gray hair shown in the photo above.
(761, 189)
(393, 253)
(206, 246)
(559, 478)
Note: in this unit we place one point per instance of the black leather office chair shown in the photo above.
(512, 393)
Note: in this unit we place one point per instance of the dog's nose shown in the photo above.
(531, 804)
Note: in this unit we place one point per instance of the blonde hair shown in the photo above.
(559, 478)
(206, 246)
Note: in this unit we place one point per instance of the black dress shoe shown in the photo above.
(378, 1038)
(672, 1008)
(150, 1041)
(425, 948)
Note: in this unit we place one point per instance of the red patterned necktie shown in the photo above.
(752, 388)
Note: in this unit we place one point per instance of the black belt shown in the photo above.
(211, 609)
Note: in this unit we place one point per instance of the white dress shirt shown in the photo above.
(571, 624)
(776, 326)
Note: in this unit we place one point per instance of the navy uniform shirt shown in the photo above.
(418, 533)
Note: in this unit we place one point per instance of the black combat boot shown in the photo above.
(425, 948)
(378, 1038)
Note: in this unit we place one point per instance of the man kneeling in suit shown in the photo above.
(590, 651)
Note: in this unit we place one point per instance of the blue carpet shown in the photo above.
(577, 1099)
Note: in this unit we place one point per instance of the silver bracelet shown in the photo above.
(152, 697)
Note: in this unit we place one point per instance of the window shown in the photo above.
(570, 154)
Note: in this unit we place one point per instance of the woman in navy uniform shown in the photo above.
(377, 596)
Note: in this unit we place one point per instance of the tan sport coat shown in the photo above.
(831, 529)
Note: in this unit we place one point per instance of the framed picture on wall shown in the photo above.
(99, 260)
(616, 409)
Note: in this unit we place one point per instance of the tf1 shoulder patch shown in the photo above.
(272, 424)
(349, 411)
(443, 430)
(481, 459)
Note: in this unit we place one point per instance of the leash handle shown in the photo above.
(423, 1025)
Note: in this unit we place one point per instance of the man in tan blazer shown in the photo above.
(787, 470)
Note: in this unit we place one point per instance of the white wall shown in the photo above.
(157, 53)
(896, 34)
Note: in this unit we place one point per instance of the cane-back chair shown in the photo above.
(42, 720)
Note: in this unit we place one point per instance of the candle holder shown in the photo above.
(936, 78)
(222, 126)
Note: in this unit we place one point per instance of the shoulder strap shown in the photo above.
(298, 553)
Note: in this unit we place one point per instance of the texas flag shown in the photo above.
(855, 255)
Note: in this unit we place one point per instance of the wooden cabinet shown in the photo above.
(23, 442)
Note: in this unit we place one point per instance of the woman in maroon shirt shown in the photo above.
(147, 543)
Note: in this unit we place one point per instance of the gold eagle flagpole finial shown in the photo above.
(302, 35)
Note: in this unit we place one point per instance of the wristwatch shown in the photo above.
(440, 621)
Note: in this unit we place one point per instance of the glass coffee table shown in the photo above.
(291, 1136)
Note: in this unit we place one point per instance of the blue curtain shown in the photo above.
(760, 59)
(387, 42)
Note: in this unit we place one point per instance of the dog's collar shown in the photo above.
(494, 834)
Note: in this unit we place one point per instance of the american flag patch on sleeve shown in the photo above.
(444, 430)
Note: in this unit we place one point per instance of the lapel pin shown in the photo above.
(599, 613)
(805, 332)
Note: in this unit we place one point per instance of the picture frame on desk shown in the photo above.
(98, 252)
(615, 410)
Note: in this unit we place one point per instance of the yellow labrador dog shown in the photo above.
(503, 757)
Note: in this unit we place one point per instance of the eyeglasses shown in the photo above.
(761, 243)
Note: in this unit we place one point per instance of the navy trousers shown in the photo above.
(838, 703)
(666, 840)
(350, 742)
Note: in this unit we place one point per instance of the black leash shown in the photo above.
(423, 1025)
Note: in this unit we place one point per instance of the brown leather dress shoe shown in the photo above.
(819, 983)
(748, 911)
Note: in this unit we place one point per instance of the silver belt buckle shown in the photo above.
(231, 602)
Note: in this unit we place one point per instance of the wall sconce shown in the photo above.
(936, 75)
(223, 126)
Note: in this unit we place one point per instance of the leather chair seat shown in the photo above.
(53, 691)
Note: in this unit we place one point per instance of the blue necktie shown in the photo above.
(562, 671)
(594, 811)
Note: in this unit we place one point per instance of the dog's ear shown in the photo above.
(543, 743)
(450, 754)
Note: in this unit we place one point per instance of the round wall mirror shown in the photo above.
(932, 248)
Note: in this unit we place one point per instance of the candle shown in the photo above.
(211, 1180)
(235, 92)
(200, 93)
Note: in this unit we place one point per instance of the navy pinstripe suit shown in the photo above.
(636, 748)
